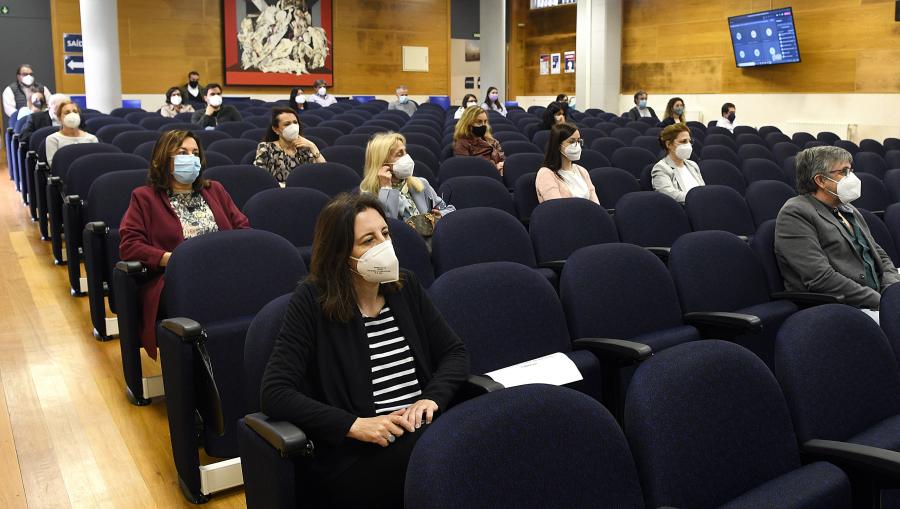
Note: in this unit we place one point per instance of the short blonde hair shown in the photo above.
(464, 126)
(61, 104)
(377, 152)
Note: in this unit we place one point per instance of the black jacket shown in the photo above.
(197, 102)
(319, 374)
(226, 113)
(35, 121)
(635, 114)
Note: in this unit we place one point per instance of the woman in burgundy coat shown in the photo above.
(176, 204)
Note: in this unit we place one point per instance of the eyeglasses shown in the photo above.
(579, 142)
(844, 172)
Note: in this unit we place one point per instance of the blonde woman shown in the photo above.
(70, 132)
(389, 175)
(473, 138)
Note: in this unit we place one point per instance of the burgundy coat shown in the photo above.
(150, 228)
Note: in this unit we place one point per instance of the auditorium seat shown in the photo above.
(291, 213)
(607, 146)
(652, 220)
(745, 152)
(241, 181)
(892, 183)
(633, 159)
(525, 196)
(767, 130)
(677, 403)
(469, 191)
(874, 195)
(411, 250)
(783, 150)
(340, 125)
(871, 163)
(473, 458)
(715, 271)
(517, 165)
(520, 147)
(801, 138)
(721, 152)
(625, 135)
(755, 169)
(106, 134)
(352, 157)
(748, 139)
(870, 145)
(130, 140)
(327, 134)
(466, 166)
(206, 138)
(507, 314)
(611, 184)
(721, 139)
(650, 143)
(94, 124)
(847, 145)
(330, 178)
(882, 235)
(827, 138)
(766, 197)
(590, 159)
(235, 129)
(844, 396)
(775, 138)
(560, 227)
(714, 207)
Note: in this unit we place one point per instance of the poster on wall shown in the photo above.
(473, 51)
(569, 61)
(278, 42)
(554, 63)
(545, 64)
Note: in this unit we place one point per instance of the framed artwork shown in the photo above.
(278, 42)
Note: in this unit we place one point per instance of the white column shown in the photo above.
(493, 46)
(102, 74)
(598, 57)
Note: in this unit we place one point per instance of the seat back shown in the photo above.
(330, 178)
(206, 138)
(464, 166)
(765, 199)
(517, 165)
(718, 208)
(784, 149)
(755, 152)
(525, 196)
(716, 271)
(836, 388)
(475, 191)
(87, 168)
(611, 184)
(478, 235)
(110, 194)
(644, 299)
(472, 457)
(130, 140)
(351, 157)
(411, 250)
(633, 159)
(241, 181)
(260, 342)
(291, 213)
(869, 162)
(724, 140)
(882, 235)
(676, 404)
(67, 155)
(763, 245)
(650, 219)
(720, 172)
(722, 152)
(107, 134)
(234, 148)
(874, 194)
(560, 227)
(892, 182)
(504, 312)
(870, 145)
(235, 129)
(889, 318)
(748, 139)
(520, 147)
(827, 137)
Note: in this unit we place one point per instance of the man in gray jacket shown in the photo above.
(823, 243)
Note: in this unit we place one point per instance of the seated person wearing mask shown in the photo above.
(675, 174)
(472, 137)
(492, 101)
(174, 104)
(403, 102)
(44, 118)
(322, 97)
(674, 112)
(176, 204)
(389, 176)
(560, 177)
(641, 110)
(284, 148)
(363, 363)
(822, 243)
(36, 104)
(727, 120)
(567, 103)
(69, 133)
(215, 112)
(297, 101)
(554, 114)
(193, 91)
(469, 100)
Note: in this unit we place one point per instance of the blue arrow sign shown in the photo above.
(74, 64)
(72, 43)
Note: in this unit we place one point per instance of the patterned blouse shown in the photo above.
(170, 110)
(195, 215)
(408, 207)
(270, 156)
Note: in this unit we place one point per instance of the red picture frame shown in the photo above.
(235, 75)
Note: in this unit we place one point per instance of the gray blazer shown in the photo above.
(815, 253)
(425, 201)
(667, 182)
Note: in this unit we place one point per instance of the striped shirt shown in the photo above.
(394, 381)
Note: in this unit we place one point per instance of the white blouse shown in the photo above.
(687, 178)
(575, 182)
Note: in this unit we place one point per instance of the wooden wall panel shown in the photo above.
(684, 47)
(533, 33)
(160, 41)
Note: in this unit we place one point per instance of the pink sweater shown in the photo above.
(549, 187)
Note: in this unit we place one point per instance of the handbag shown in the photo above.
(422, 223)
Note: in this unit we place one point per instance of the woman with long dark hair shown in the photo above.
(492, 101)
(364, 361)
(284, 147)
(560, 177)
(297, 100)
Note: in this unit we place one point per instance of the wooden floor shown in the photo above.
(68, 436)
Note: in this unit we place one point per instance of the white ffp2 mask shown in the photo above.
(403, 167)
(849, 188)
(291, 132)
(379, 264)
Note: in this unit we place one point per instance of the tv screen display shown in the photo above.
(764, 38)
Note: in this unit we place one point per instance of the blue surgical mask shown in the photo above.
(679, 111)
(642, 104)
(187, 168)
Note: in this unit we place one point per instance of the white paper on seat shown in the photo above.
(873, 314)
(553, 369)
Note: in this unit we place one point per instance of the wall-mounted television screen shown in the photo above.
(764, 38)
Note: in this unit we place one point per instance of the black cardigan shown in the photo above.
(319, 374)
(634, 114)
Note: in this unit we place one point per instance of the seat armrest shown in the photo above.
(98, 227)
(738, 323)
(72, 199)
(555, 265)
(808, 298)
(130, 267)
(744, 238)
(481, 384)
(54, 180)
(611, 211)
(289, 440)
(185, 328)
(617, 350)
(661, 252)
(882, 463)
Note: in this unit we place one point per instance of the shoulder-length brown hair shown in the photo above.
(160, 175)
(332, 245)
(271, 135)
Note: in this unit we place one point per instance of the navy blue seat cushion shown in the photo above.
(818, 485)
